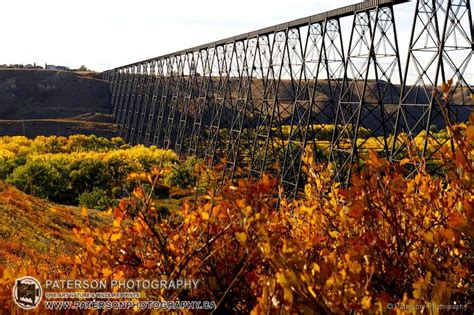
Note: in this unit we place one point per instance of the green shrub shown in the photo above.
(118, 169)
(62, 169)
(182, 175)
(40, 179)
(7, 167)
(96, 199)
(87, 174)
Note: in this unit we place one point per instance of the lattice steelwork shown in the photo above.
(368, 99)
(258, 100)
(441, 49)
(320, 65)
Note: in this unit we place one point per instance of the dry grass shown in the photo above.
(32, 229)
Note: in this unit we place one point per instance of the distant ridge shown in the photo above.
(50, 102)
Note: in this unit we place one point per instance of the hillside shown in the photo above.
(40, 102)
(36, 229)
(45, 182)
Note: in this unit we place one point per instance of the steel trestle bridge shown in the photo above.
(263, 97)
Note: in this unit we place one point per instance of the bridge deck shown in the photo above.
(332, 14)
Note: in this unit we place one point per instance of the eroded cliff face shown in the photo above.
(41, 102)
(33, 94)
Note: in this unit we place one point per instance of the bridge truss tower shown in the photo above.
(441, 50)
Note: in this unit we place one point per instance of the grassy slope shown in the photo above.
(32, 228)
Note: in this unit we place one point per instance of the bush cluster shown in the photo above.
(86, 170)
(385, 240)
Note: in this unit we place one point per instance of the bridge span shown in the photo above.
(264, 97)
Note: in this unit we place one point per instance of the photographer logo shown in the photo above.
(27, 293)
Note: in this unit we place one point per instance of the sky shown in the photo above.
(103, 34)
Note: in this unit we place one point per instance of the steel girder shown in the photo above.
(187, 105)
(169, 79)
(220, 82)
(241, 106)
(136, 108)
(258, 100)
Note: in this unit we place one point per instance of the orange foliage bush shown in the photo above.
(384, 239)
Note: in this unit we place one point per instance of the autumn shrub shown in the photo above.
(197, 242)
(81, 143)
(74, 143)
(82, 163)
(383, 240)
(52, 144)
(321, 131)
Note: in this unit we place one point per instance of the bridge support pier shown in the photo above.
(320, 65)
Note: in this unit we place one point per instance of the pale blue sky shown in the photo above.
(103, 34)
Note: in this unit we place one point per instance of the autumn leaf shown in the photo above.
(447, 234)
(404, 161)
(366, 302)
(456, 220)
(429, 237)
(281, 279)
(115, 236)
(205, 215)
(357, 209)
(106, 272)
(355, 267)
(470, 133)
(241, 237)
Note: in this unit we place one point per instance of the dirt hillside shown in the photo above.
(40, 102)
